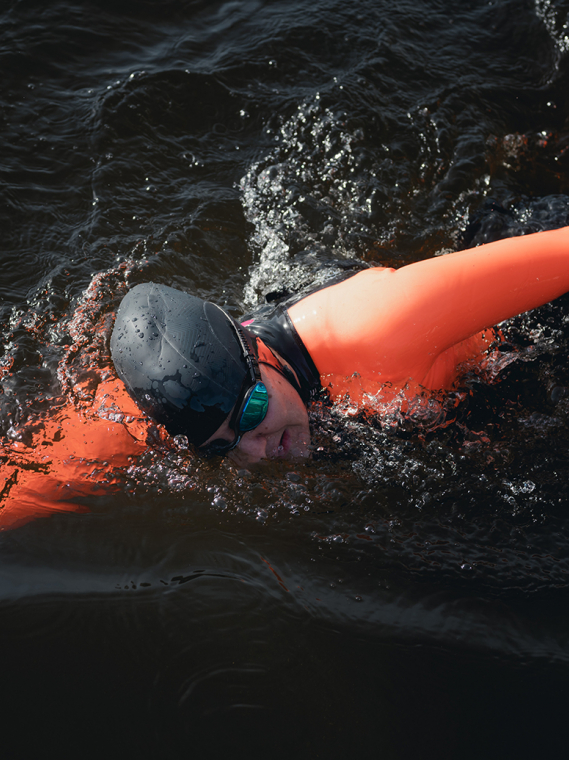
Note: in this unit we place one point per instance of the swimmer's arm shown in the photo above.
(462, 293)
(73, 456)
(28, 495)
(397, 322)
(435, 304)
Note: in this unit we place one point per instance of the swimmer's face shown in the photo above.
(283, 434)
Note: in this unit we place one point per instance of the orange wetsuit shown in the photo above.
(412, 327)
(69, 454)
(417, 325)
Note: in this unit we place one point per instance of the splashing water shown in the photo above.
(556, 24)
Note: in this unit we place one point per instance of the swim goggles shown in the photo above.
(252, 403)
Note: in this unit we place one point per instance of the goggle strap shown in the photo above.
(286, 372)
(248, 347)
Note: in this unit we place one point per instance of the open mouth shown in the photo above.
(284, 444)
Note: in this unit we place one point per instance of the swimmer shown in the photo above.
(243, 389)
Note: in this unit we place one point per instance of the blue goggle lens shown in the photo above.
(255, 409)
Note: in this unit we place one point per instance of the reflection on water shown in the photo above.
(407, 586)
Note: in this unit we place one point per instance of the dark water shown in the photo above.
(404, 594)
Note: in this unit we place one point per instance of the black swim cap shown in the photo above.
(180, 359)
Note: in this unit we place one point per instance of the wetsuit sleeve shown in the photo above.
(69, 454)
(395, 324)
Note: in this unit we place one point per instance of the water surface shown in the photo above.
(405, 592)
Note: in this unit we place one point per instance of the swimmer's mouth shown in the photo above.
(284, 444)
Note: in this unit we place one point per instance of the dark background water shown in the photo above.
(405, 593)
